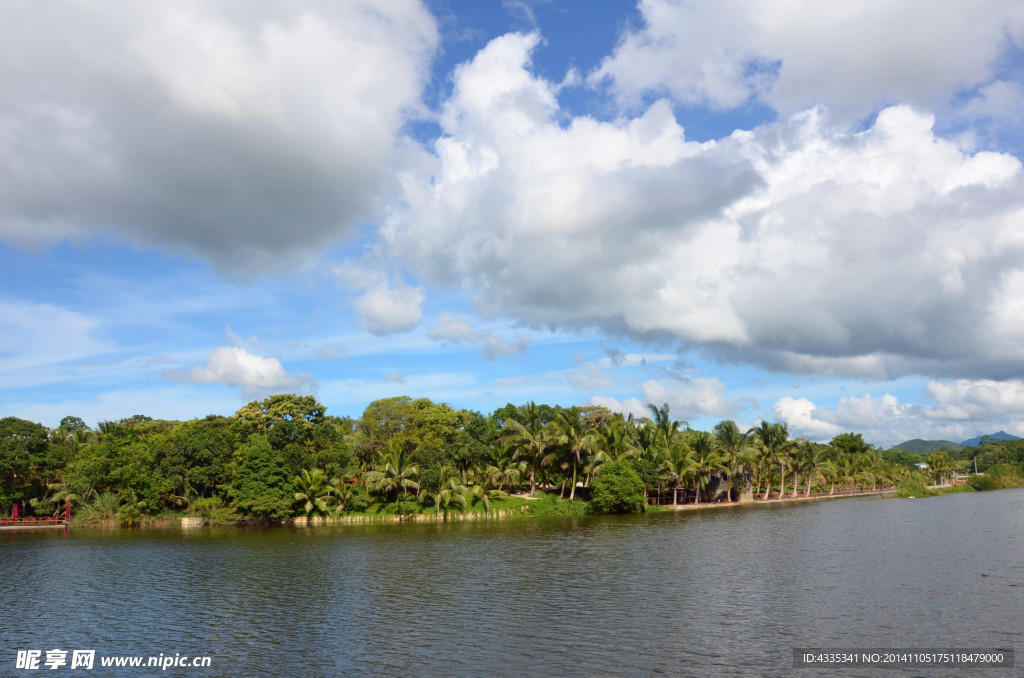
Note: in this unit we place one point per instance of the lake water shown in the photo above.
(718, 592)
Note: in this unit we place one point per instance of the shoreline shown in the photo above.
(777, 500)
(497, 513)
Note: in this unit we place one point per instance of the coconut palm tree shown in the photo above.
(395, 472)
(481, 486)
(571, 433)
(806, 459)
(614, 439)
(504, 466)
(775, 445)
(667, 428)
(706, 461)
(449, 490)
(529, 437)
(738, 450)
(677, 465)
(313, 491)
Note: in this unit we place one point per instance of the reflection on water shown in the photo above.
(723, 592)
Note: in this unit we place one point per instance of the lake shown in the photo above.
(722, 592)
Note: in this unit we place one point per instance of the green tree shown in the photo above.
(395, 472)
(618, 489)
(677, 465)
(571, 433)
(775, 445)
(449, 491)
(738, 450)
(666, 427)
(263, 415)
(312, 492)
(23, 457)
(260, 487)
(410, 423)
(529, 436)
(706, 461)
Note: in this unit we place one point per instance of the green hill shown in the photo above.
(918, 446)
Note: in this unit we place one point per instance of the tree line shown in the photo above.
(284, 456)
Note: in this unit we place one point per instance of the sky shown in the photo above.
(791, 211)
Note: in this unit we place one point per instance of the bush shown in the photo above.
(999, 477)
(618, 489)
(553, 505)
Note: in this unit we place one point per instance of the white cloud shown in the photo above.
(805, 419)
(962, 409)
(235, 366)
(455, 330)
(688, 399)
(796, 246)
(252, 135)
(629, 406)
(790, 55)
(386, 309)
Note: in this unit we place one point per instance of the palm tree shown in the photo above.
(667, 428)
(344, 493)
(394, 472)
(706, 461)
(738, 450)
(571, 433)
(613, 438)
(775, 443)
(806, 459)
(449, 489)
(677, 465)
(941, 465)
(830, 471)
(313, 491)
(529, 438)
(504, 466)
(482, 487)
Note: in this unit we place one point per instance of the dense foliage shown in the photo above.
(284, 456)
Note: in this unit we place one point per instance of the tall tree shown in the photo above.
(529, 436)
(570, 432)
(774, 440)
(737, 449)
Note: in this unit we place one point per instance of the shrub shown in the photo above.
(618, 489)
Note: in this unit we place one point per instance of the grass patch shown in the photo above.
(552, 505)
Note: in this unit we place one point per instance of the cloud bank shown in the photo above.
(251, 135)
(797, 246)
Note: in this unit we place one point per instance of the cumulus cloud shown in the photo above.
(387, 309)
(960, 409)
(249, 134)
(805, 419)
(454, 330)
(797, 246)
(791, 55)
(688, 399)
(235, 366)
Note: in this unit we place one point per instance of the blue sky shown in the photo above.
(745, 211)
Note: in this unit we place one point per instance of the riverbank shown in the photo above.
(522, 507)
(525, 508)
(778, 500)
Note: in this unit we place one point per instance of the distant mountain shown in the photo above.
(1002, 435)
(918, 446)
